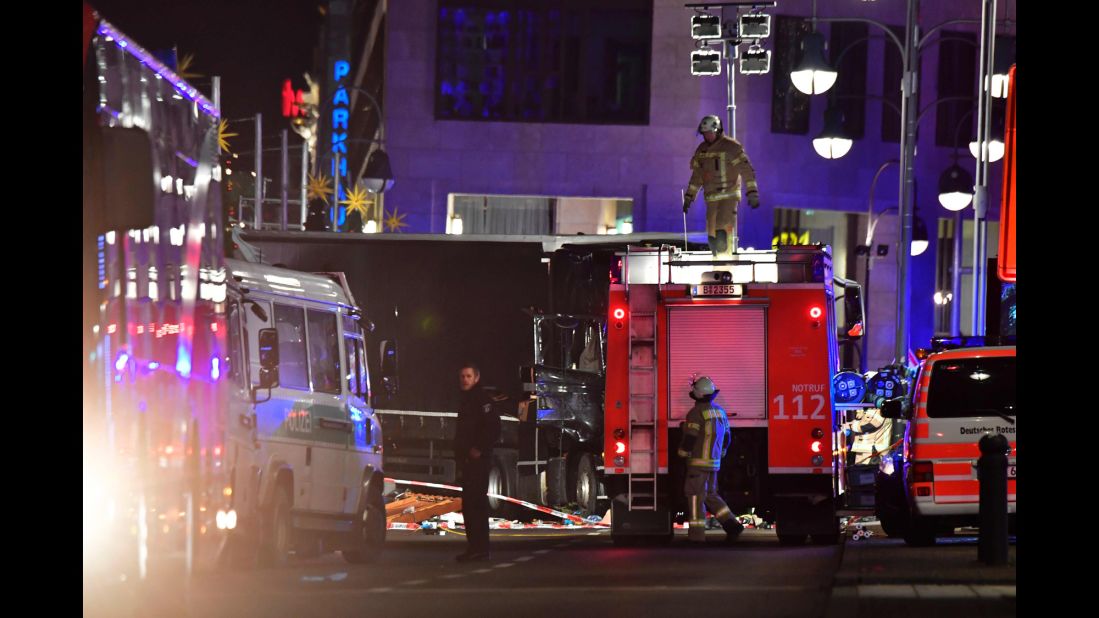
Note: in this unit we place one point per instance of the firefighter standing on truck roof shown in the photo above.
(718, 165)
(706, 439)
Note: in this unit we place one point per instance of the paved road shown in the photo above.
(533, 573)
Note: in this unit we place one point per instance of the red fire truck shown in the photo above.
(763, 326)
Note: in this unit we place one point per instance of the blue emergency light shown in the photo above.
(848, 387)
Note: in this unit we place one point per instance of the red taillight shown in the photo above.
(619, 313)
(815, 447)
(922, 472)
(619, 448)
(816, 312)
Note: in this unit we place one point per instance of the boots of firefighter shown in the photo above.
(712, 241)
(721, 243)
(732, 528)
(696, 526)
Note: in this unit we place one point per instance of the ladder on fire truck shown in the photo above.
(643, 470)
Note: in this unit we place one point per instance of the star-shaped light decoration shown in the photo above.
(319, 186)
(357, 200)
(394, 222)
(184, 65)
(224, 135)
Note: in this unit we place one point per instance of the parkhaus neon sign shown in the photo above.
(341, 104)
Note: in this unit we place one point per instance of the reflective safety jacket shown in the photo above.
(871, 431)
(718, 167)
(706, 436)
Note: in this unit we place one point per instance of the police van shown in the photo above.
(959, 396)
(306, 459)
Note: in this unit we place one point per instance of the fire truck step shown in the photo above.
(642, 423)
(641, 396)
(643, 340)
(645, 367)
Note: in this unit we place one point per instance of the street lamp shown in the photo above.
(833, 142)
(919, 236)
(378, 176)
(813, 75)
(955, 188)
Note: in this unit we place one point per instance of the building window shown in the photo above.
(848, 46)
(957, 74)
(531, 61)
(538, 215)
(789, 107)
(944, 297)
(892, 69)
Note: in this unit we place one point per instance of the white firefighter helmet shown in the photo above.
(709, 123)
(703, 387)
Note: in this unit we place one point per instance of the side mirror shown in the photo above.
(388, 365)
(853, 311)
(388, 362)
(895, 408)
(268, 358)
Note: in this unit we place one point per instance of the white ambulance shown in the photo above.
(959, 396)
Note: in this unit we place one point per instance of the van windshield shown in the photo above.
(972, 387)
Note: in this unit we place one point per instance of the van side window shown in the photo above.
(324, 351)
(236, 352)
(972, 387)
(293, 367)
(352, 369)
(364, 372)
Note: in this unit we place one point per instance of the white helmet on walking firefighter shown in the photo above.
(709, 123)
(702, 388)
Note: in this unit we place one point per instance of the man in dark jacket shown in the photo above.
(477, 431)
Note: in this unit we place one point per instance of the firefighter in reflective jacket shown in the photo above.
(718, 166)
(706, 439)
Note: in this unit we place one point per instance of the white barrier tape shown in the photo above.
(504, 525)
(576, 519)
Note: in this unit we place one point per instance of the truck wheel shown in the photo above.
(498, 484)
(556, 491)
(278, 530)
(920, 533)
(370, 533)
(587, 485)
(791, 540)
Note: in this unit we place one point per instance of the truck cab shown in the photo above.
(959, 395)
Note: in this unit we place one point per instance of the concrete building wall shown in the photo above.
(649, 164)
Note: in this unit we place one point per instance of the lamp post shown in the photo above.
(910, 50)
(980, 196)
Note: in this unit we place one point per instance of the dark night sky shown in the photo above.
(252, 44)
